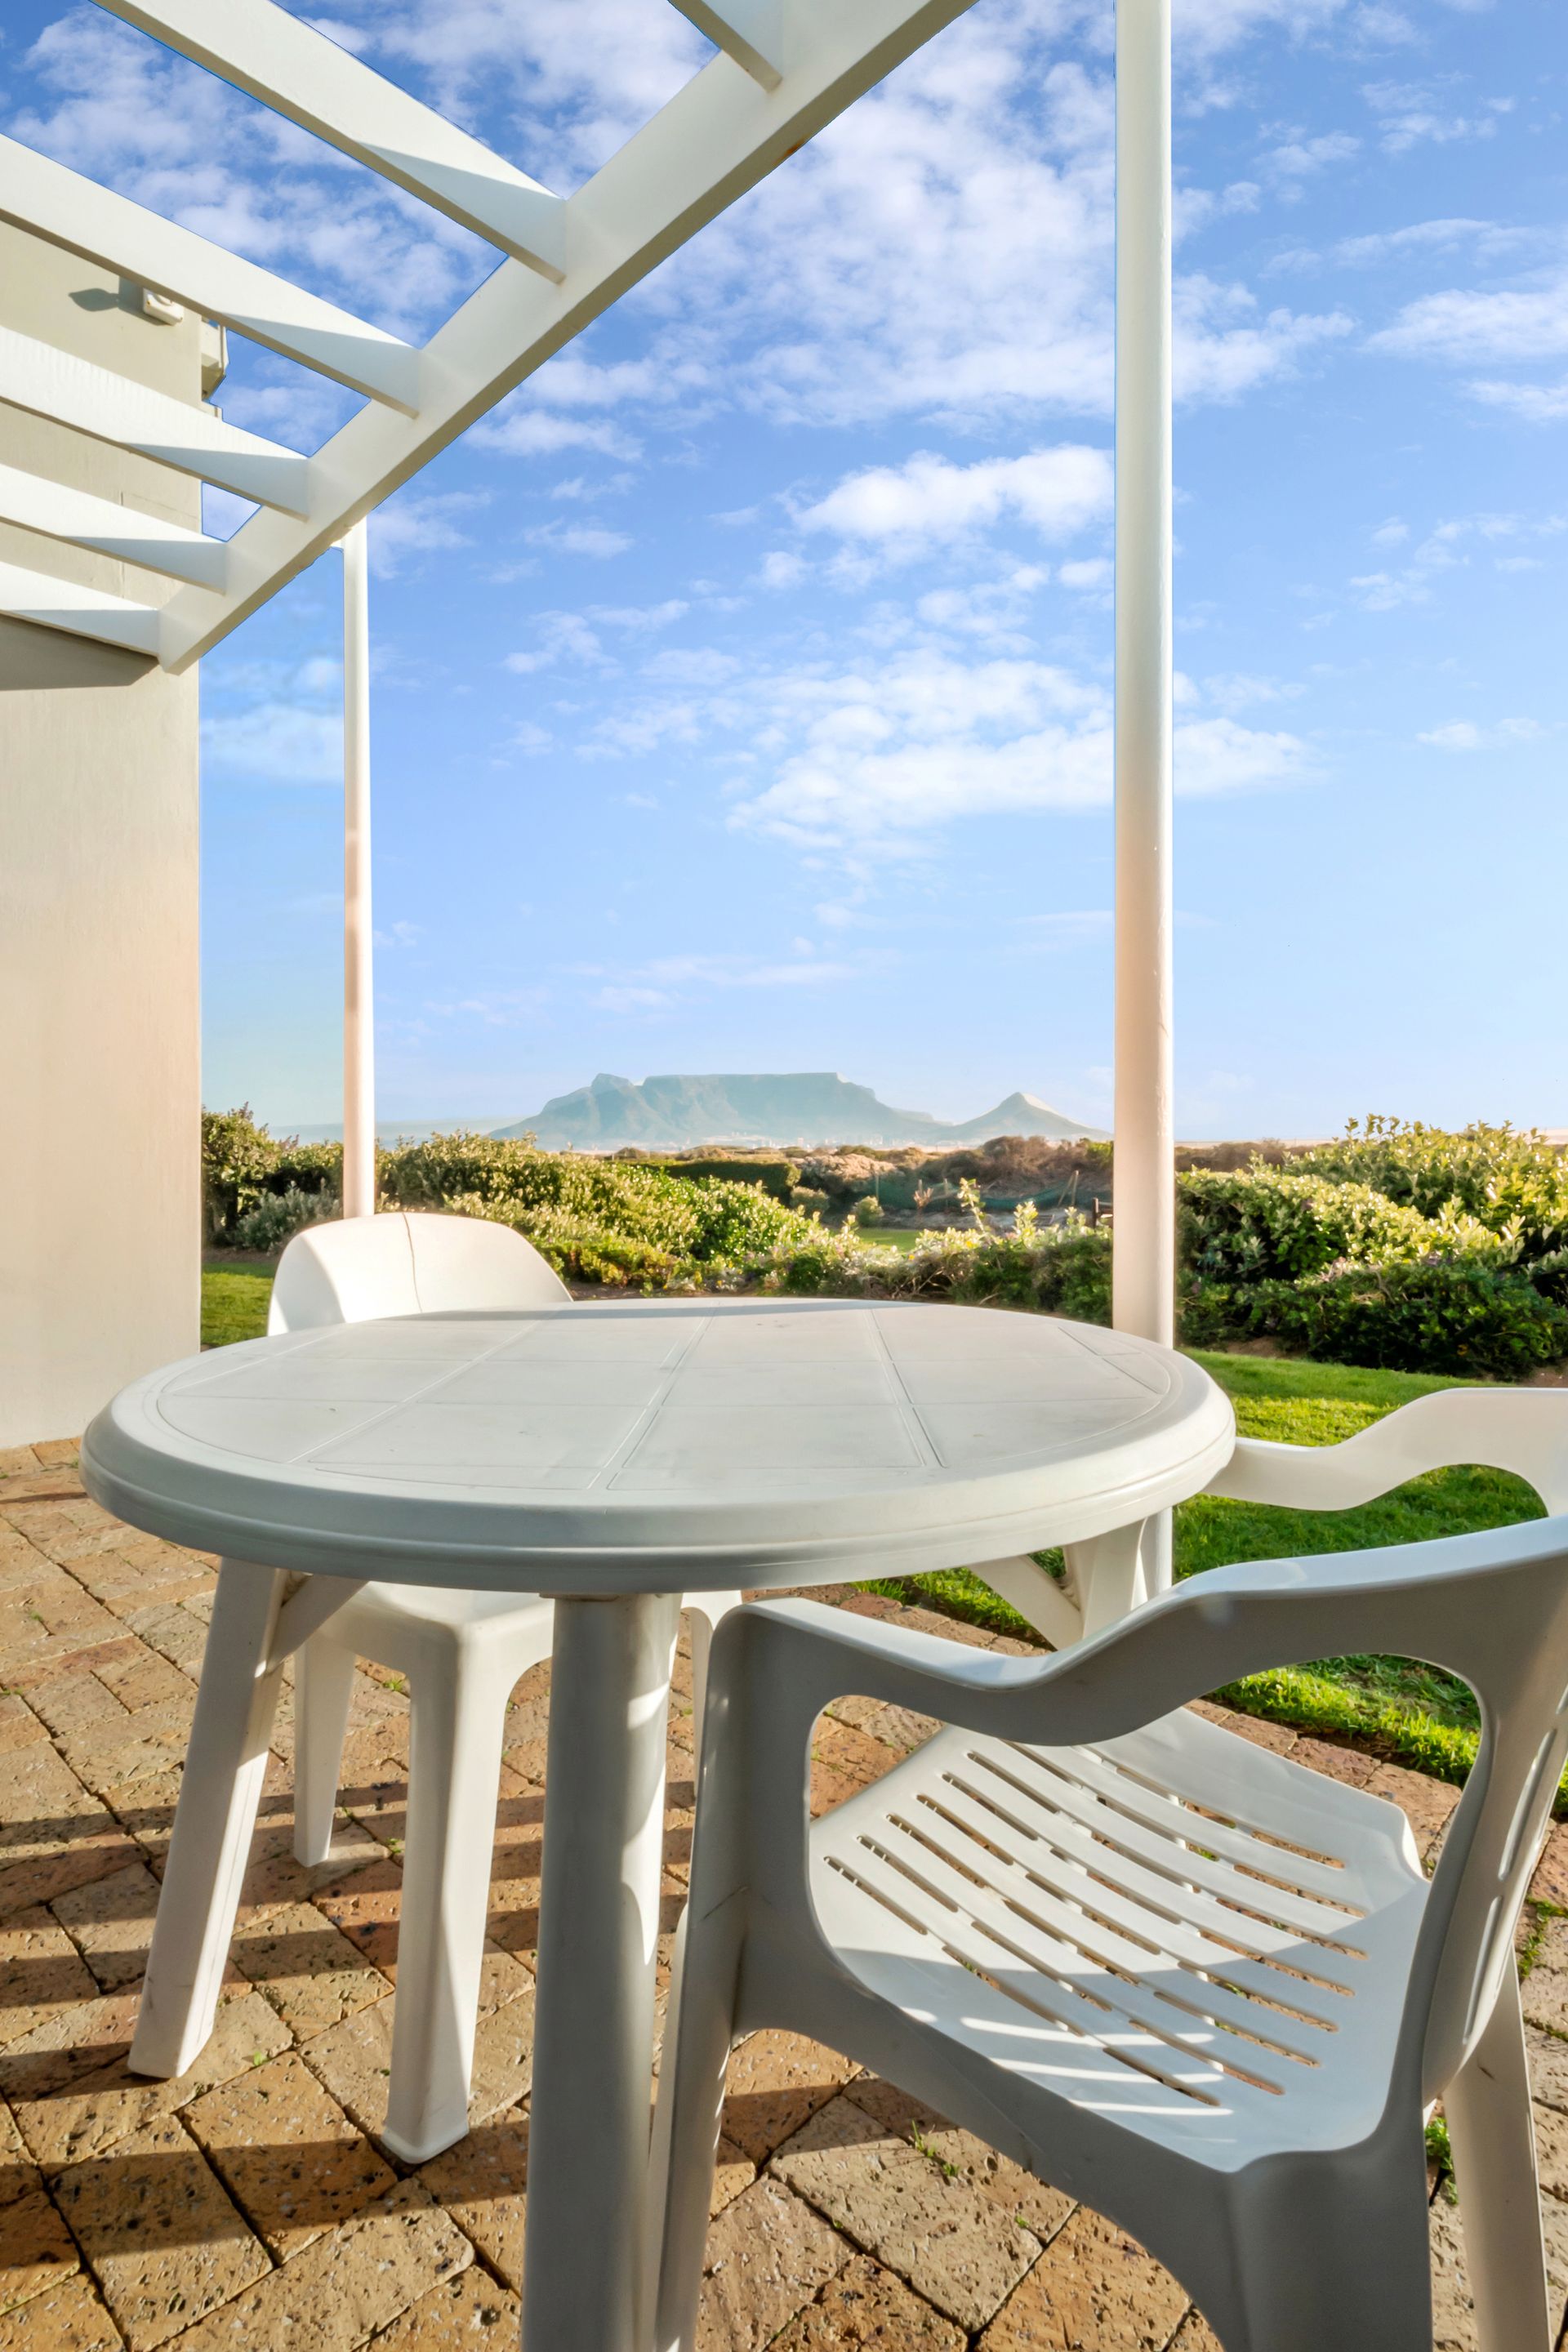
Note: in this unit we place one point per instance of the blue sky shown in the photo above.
(743, 684)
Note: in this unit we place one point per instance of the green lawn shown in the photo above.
(1407, 1711)
(234, 1303)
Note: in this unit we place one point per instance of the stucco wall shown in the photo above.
(99, 1010)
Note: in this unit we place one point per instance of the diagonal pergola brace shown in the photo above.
(311, 80)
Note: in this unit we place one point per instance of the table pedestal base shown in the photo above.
(598, 1929)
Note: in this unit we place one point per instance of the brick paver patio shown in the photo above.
(250, 2204)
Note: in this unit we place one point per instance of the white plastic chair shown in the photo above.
(461, 1653)
(1199, 1986)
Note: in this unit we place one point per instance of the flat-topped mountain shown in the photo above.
(796, 1107)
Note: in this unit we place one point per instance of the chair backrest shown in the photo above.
(361, 1269)
(1491, 1607)
(1521, 1430)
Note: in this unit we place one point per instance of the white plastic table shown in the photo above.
(615, 1455)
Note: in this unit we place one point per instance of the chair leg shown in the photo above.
(687, 2120)
(1488, 2108)
(323, 1688)
(704, 1612)
(457, 1732)
(226, 1764)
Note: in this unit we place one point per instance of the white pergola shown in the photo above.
(784, 68)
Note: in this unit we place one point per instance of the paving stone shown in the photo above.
(957, 2247)
(18, 2176)
(867, 2309)
(344, 2289)
(37, 2250)
(776, 2080)
(70, 2317)
(145, 1808)
(19, 1727)
(1426, 1804)
(1550, 1883)
(111, 1922)
(528, 1723)
(768, 2255)
(843, 1762)
(1550, 2149)
(311, 1975)
(1548, 2055)
(363, 1909)
(482, 2184)
(1263, 1734)
(65, 2109)
(733, 2172)
(354, 2061)
(1347, 1764)
(1453, 2313)
(287, 2156)
(461, 2312)
(1195, 2335)
(1032, 2203)
(41, 1972)
(164, 2241)
(1093, 2285)
(898, 1728)
(53, 1835)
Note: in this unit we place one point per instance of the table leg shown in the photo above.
(226, 1764)
(598, 1928)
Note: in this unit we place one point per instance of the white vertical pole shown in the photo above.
(1144, 1271)
(359, 999)
(1144, 1277)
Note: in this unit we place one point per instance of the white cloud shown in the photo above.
(903, 509)
(411, 524)
(1464, 735)
(866, 760)
(521, 430)
(579, 539)
(1469, 328)
(1301, 158)
(1534, 403)
(278, 741)
(561, 636)
(1445, 549)
(1411, 113)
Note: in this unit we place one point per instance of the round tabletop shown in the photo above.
(659, 1444)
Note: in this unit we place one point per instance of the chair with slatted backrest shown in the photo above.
(461, 1653)
(1201, 1987)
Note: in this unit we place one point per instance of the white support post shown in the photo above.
(1144, 1276)
(359, 1000)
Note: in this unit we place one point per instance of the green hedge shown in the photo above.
(601, 1219)
(1267, 1224)
(777, 1178)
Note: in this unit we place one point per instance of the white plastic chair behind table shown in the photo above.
(1206, 1990)
(462, 1653)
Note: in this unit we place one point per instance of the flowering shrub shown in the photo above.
(1511, 1179)
(1267, 1222)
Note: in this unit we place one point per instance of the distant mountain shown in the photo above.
(805, 1107)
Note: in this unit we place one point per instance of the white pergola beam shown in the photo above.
(750, 31)
(51, 604)
(302, 74)
(58, 512)
(715, 140)
(191, 438)
(49, 201)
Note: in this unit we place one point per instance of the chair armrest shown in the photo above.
(1524, 1431)
(1451, 1602)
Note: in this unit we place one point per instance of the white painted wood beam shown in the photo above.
(750, 31)
(300, 73)
(715, 140)
(151, 540)
(45, 198)
(53, 603)
(191, 438)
